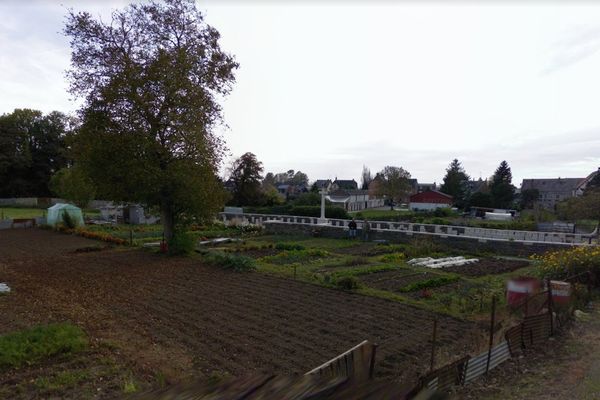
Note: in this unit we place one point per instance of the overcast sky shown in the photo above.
(326, 89)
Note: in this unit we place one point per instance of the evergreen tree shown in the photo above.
(501, 188)
(455, 183)
(365, 178)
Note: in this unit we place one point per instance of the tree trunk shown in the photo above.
(168, 222)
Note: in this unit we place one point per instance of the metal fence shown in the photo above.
(539, 320)
(484, 362)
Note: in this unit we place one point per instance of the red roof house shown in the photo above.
(430, 200)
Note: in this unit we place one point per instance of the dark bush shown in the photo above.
(347, 283)
(289, 246)
(68, 221)
(442, 212)
(182, 243)
(230, 261)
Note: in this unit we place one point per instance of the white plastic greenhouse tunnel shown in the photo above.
(55, 214)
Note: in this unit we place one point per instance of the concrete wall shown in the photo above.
(427, 206)
(466, 243)
(440, 230)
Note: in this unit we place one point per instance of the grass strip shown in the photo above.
(33, 345)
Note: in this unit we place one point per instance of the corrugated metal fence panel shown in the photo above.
(535, 329)
(444, 378)
(476, 366)
(513, 337)
(500, 353)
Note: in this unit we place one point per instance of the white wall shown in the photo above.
(427, 206)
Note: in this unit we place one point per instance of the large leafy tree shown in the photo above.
(583, 207)
(32, 149)
(246, 177)
(455, 183)
(151, 79)
(501, 187)
(529, 197)
(393, 183)
(74, 185)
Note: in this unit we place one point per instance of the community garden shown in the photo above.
(135, 319)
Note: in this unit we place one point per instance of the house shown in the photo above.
(429, 200)
(291, 191)
(340, 184)
(476, 186)
(553, 191)
(321, 184)
(424, 187)
(354, 200)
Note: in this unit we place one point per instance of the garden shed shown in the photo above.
(55, 214)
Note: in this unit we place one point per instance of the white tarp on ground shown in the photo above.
(4, 288)
(442, 262)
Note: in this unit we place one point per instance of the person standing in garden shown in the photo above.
(366, 231)
(352, 229)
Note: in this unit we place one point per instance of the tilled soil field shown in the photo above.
(488, 266)
(184, 319)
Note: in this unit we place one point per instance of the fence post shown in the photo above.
(372, 363)
(550, 308)
(492, 324)
(433, 343)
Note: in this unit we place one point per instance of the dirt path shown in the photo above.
(567, 368)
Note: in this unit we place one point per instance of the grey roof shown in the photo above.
(476, 185)
(552, 185)
(321, 183)
(346, 184)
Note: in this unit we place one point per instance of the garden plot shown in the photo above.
(180, 317)
(488, 266)
(404, 281)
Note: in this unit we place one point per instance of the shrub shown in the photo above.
(68, 220)
(422, 247)
(182, 243)
(429, 283)
(358, 260)
(230, 261)
(289, 246)
(574, 261)
(292, 256)
(347, 283)
(393, 258)
(442, 212)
